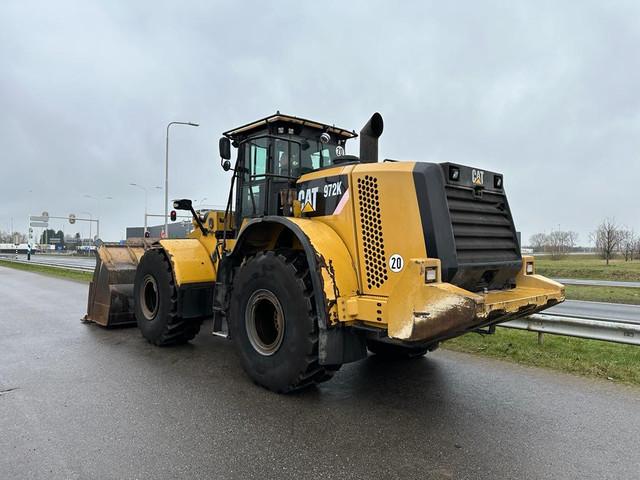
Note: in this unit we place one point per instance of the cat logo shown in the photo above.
(307, 198)
(477, 177)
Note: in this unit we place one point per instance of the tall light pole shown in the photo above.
(90, 224)
(146, 194)
(99, 210)
(201, 202)
(166, 175)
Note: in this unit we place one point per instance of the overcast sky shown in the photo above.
(545, 92)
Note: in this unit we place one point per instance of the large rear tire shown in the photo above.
(273, 322)
(156, 302)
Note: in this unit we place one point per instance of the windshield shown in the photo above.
(296, 157)
(316, 155)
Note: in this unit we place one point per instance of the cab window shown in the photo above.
(317, 155)
(256, 161)
(257, 155)
(287, 158)
(252, 200)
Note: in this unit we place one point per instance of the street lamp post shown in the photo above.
(90, 224)
(99, 211)
(201, 202)
(166, 175)
(146, 194)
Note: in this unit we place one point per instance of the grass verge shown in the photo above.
(591, 358)
(629, 296)
(588, 267)
(51, 271)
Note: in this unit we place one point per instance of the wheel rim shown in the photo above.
(149, 299)
(264, 322)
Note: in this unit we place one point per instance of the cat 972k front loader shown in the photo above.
(321, 256)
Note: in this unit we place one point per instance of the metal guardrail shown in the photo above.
(65, 266)
(591, 328)
(598, 283)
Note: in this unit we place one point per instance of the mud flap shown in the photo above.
(340, 345)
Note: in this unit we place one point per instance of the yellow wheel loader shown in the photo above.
(321, 256)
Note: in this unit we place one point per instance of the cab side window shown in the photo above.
(257, 156)
(256, 160)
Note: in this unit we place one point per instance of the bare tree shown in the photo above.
(559, 243)
(628, 242)
(607, 238)
(8, 237)
(538, 241)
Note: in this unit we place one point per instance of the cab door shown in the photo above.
(284, 173)
(252, 197)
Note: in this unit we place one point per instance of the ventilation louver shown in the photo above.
(375, 260)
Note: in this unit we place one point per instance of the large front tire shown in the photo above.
(156, 302)
(273, 322)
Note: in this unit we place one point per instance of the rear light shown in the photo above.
(529, 269)
(454, 173)
(431, 275)
(497, 181)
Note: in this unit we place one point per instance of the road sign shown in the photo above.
(36, 218)
(39, 224)
(72, 218)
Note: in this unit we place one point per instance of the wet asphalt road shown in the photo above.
(78, 401)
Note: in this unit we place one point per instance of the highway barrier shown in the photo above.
(58, 264)
(591, 328)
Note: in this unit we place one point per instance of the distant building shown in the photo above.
(176, 230)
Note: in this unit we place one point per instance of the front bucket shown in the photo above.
(110, 301)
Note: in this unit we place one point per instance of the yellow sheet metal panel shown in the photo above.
(335, 263)
(364, 309)
(387, 223)
(341, 219)
(416, 310)
(190, 260)
(378, 217)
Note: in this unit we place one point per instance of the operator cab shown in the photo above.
(272, 155)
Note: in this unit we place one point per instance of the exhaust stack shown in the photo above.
(369, 139)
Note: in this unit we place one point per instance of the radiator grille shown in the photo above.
(375, 260)
(482, 227)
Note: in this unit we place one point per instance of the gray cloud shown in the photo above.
(545, 92)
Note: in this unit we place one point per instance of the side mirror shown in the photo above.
(225, 148)
(183, 204)
(226, 165)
